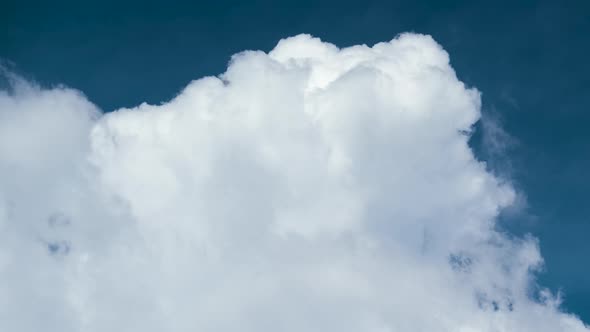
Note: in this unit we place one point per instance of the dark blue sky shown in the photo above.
(529, 58)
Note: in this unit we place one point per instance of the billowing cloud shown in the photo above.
(310, 188)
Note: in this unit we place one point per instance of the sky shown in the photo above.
(526, 59)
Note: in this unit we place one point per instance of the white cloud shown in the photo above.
(308, 189)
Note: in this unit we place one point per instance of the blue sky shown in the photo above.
(528, 58)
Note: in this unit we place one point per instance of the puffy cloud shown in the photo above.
(310, 188)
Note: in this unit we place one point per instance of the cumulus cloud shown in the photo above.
(310, 188)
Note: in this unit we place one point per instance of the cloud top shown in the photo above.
(310, 188)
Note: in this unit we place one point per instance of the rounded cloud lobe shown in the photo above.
(310, 188)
